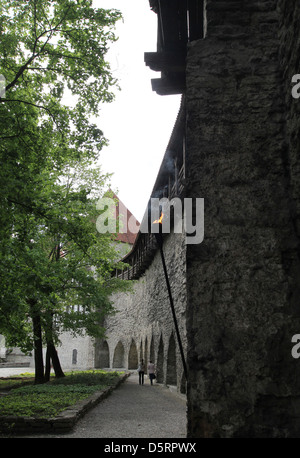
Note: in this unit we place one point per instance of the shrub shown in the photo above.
(44, 401)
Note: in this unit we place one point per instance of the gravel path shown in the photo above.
(133, 411)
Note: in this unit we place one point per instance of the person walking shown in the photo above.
(151, 371)
(141, 371)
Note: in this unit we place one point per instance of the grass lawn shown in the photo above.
(47, 400)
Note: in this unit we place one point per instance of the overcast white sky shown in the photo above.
(139, 123)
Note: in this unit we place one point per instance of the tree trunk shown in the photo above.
(55, 360)
(51, 350)
(48, 366)
(38, 348)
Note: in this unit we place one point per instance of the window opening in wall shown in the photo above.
(74, 356)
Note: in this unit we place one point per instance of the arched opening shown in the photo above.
(171, 363)
(133, 356)
(183, 384)
(102, 354)
(146, 355)
(141, 350)
(160, 361)
(74, 356)
(119, 356)
(152, 352)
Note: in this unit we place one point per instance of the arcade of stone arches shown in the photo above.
(128, 356)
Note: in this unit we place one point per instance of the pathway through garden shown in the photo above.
(133, 411)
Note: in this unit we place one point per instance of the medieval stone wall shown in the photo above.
(76, 353)
(289, 55)
(143, 325)
(243, 280)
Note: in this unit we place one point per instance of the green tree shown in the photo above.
(64, 263)
(50, 49)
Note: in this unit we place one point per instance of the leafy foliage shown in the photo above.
(47, 400)
(52, 55)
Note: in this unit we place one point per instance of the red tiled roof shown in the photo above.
(127, 236)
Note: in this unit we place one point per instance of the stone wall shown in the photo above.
(289, 58)
(76, 353)
(143, 326)
(243, 280)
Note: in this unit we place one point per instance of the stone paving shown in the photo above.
(11, 371)
(133, 411)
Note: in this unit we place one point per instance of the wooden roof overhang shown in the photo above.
(179, 21)
(169, 183)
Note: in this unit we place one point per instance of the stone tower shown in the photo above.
(234, 65)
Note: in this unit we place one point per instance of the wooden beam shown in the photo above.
(165, 62)
(196, 19)
(172, 17)
(168, 86)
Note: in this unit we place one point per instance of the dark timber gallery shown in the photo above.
(234, 61)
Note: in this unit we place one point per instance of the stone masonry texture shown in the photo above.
(143, 325)
(243, 304)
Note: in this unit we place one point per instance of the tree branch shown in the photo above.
(32, 104)
(34, 54)
(19, 73)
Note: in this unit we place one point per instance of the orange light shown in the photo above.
(159, 221)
